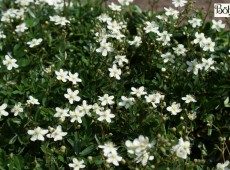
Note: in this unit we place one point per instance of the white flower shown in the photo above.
(217, 25)
(2, 35)
(189, 98)
(199, 38)
(61, 113)
(2, 110)
(108, 148)
(195, 22)
(106, 100)
(222, 166)
(97, 107)
(171, 12)
(179, 3)
(144, 157)
(115, 7)
(151, 27)
(34, 42)
(104, 18)
(114, 158)
(168, 57)
(136, 42)
(193, 66)
(24, 2)
(37, 134)
(10, 62)
(207, 63)
(59, 20)
(115, 72)
(21, 28)
(126, 102)
(105, 115)
(32, 101)
(138, 92)
(72, 95)
(71, 77)
(57, 133)
(120, 59)
(63, 76)
(164, 37)
(182, 149)
(104, 48)
(85, 108)
(17, 109)
(76, 115)
(114, 26)
(208, 45)
(125, 2)
(76, 165)
(180, 50)
(174, 108)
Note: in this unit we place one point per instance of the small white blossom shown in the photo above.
(17, 109)
(61, 113)
(21, 28)
(171, 12)
(59, 20)
(168, 57)
(115, 7)
(199, 38)
(136, 42)
(37, 134)
(138, 92)
(85, 108)
(104, 18)
(180, 50)
(193, 66)
(105, 115)
(72, 95)
(126, 102)
(208, 63)
(151, 27)
(34, 42)
(3, 112)
(63, 76)
(115, 72)
(179, 3)
(189, 98)
(76, 165)
(104, 48)
(195, 22)
(10, 62)
(217, 25)
(182, 149)
(106, 100)
(76, 115)
(32, 101)
(174, 108)
(208, 45)
(222, 166)
(125, 2)
(57, 134)
(72, 77)
(164, 37)
(120, 59)
(2, 35)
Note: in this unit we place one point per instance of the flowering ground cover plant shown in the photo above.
(107, 86)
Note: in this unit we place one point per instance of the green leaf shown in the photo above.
(12, 140)
(226, 102)
(87, 150)
(31, 22)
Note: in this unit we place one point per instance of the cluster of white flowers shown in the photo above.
(110, 152)
(32, 101)
(164, 37)
(38, 133)
(154, 98)
(24, 3)
(141, 147)
(59, 20)
(67, 75)
(2, 35)
(182, 149)
(205, 43)
(11, 14)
